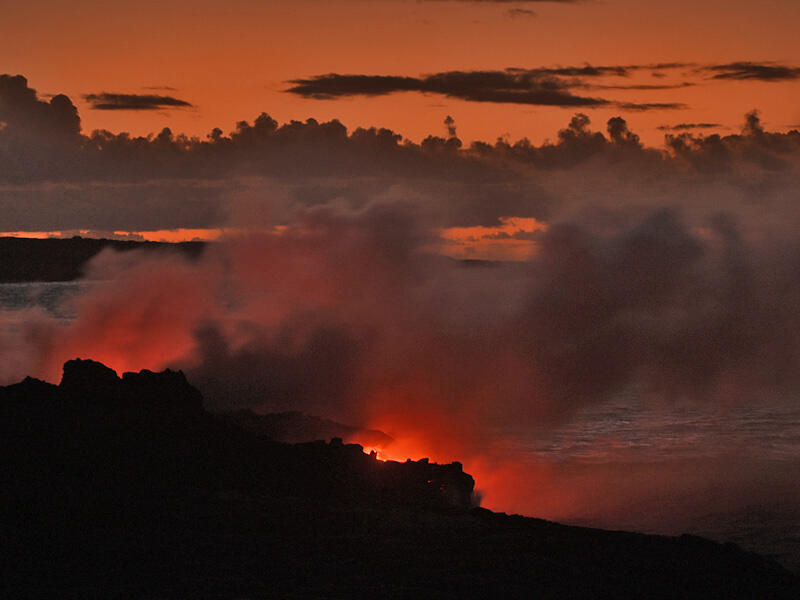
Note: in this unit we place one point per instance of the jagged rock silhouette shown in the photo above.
(125, 487)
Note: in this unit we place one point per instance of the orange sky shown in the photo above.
(232, 61)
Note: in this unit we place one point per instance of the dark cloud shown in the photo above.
(334, 85)
(118, 206)
(515, 86)
(754, 147)
(38, 139)
(641, 86)
(687, 126)
(520, 13)
(666, 65)
(519, 235)
(106, 101)
(25, 117)
(641, 106)
(583, 71)
(544, 86)
(324, 87)
(746, 70)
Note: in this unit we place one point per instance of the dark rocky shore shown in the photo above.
(54, 259)
(127, 488)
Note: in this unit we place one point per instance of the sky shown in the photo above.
(631, 170)
(231, 62)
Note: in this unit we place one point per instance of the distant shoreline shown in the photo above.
(28, 260)
(47, 260)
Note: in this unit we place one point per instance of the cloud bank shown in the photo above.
(53, 177)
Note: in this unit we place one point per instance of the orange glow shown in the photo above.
(38, 235)
(509, 241)
(177, 235)
(400, 451)
(143, 321)
(379, 454)
(502, 483)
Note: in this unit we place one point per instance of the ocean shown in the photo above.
(52, 296)
(730, 473)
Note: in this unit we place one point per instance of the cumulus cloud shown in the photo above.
(25, 117)
(108, 101)
(37, 138)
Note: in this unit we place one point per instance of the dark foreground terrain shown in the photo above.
(127, 488)
(24, 259)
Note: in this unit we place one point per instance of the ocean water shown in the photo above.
(52, 296)
(630, 427)
(729, 473)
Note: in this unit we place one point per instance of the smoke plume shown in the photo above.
(675, 285)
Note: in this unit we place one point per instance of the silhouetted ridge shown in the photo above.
(64, 259)
(88, 381)
(153, 425)
(88, 377)
(170, 385)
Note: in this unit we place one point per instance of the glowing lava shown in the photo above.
(377, 451)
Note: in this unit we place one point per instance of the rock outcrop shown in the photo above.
(153, 426)
(295, 427)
